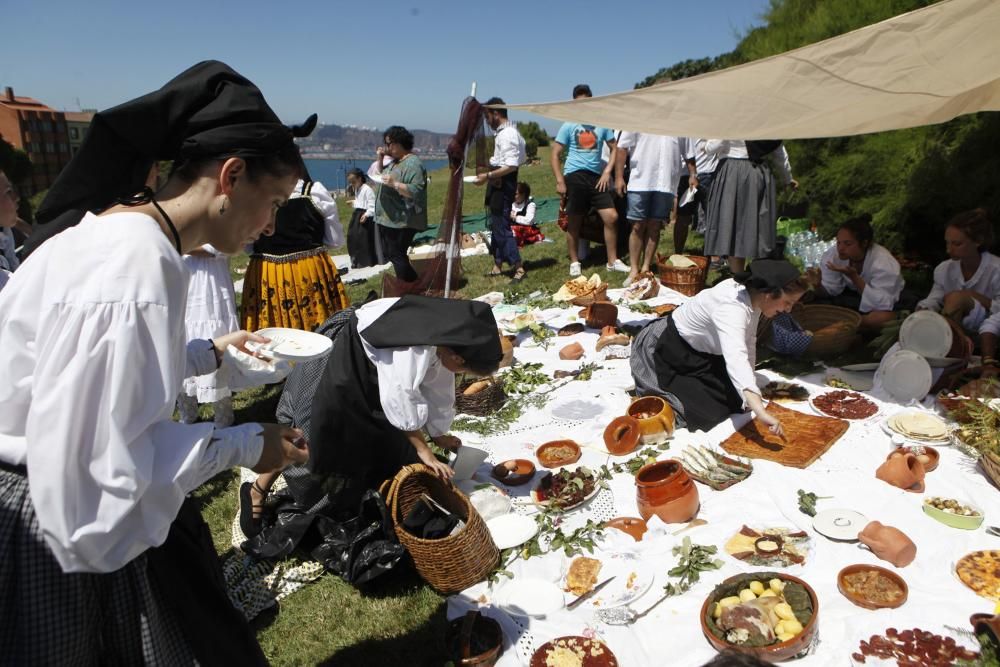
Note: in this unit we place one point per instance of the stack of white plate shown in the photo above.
(927, 333)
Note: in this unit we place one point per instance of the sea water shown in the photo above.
(333, 173)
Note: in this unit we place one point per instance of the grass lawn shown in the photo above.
(402, 621)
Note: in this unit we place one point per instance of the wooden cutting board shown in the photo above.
(807, 437)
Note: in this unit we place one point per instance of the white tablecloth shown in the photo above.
(671, 634)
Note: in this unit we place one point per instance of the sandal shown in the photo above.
(518, 276)
(493, 274)
(250, 519)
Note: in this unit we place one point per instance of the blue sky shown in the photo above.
(365, 63)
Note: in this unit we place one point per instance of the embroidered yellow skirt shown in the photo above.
(298, 291)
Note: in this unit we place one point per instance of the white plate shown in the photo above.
(621, 566)
(292, 344)
(927, 333)
(469, 179)
(840, 524)
(511, 530)
(872, 366)
(942, 362)
(906, 375)
(530, 597)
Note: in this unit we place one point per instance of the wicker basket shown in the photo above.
(834, 328)
(687, 280)
(600, 294)
(990, 464)
(483, 402)
(452, 563)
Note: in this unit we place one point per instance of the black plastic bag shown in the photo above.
(357, 550)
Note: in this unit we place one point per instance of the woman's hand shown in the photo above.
(283, 446)
(772, 423)
(442, 470)
(388, 180)
(848, 271)
(237, 339)
(447, 441)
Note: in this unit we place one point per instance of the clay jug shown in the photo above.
(888, 543)
(988, 623)
(903, 470)
(601, 314)
(663, 488)
(658, 425)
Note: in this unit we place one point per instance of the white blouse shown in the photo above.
(880, 271)
(734, 148)
(92, 329)
(365, 199)
(508, 147)
(415, 389)
(529, 213)
(948, 278)
(722, 321)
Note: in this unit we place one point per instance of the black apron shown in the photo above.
(361, 240)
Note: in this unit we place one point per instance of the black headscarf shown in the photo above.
(209, 111)
(768, 274)
(467, 327)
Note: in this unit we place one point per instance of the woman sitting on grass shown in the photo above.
(859, 274)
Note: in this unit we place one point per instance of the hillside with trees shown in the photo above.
(911, 181)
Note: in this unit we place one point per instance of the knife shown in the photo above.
(575, 603)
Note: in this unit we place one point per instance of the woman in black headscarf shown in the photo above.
(102, 558)
(700, 358)
(389, 379)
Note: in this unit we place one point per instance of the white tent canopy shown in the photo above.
(920, 68)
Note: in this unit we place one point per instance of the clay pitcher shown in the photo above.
(663, 488)
(903, 470)
(659, 425)
(986, 623)
(601, 314)
(888, 543)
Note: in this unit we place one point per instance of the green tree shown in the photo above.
(14, 162)
(532, 130)
(531, 147)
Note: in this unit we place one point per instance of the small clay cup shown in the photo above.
(474, 640)
(571, 352)
(888, 543)
(658, 427)
(601, 314)
(663, 488)
(903, 470)
(622, 435)
(632, 526)
(988, 623)
(548, 461)
(514, 472)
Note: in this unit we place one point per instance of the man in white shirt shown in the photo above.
(654, 171)
(508, 155)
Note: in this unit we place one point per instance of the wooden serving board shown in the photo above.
(807, 437)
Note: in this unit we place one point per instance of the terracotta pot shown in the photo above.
(571, 352)
(475, 640)
(601, 314)
(632, 526)
(514, 472)
(777, 652)
(888, 543)
(930, 460)
(988, 623)
(863, 601)
(507, 346)
(659, 425)
(903, 470)
(663, 488)
(622, 435)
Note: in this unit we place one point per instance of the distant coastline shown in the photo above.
(354, 155)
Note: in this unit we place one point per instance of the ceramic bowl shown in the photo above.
(956, 520)
(622, 435)
(632, 526)
(514, 472)
(549, 459)
(777, 652)
(862, 601)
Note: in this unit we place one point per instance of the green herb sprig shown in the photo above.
(693, 560)
(807, 502)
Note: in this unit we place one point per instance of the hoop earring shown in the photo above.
(222, 209)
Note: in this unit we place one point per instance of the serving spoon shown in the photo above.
(692, 524)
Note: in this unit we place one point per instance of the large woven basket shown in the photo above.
(991, 466)
(600, 294)
(453, 563)
(834, 328)
(482, 403)
(687, 280)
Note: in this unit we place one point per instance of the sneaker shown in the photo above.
(574, 269)
(619, 266)
(628, 281)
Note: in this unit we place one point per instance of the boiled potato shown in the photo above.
(717, 612)
(746, 595)
(784, 611)
(779, 629)
(730, 601)
(776, 585)
(792, 625)
(756, 587)
(785, 637)
(768, 594)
